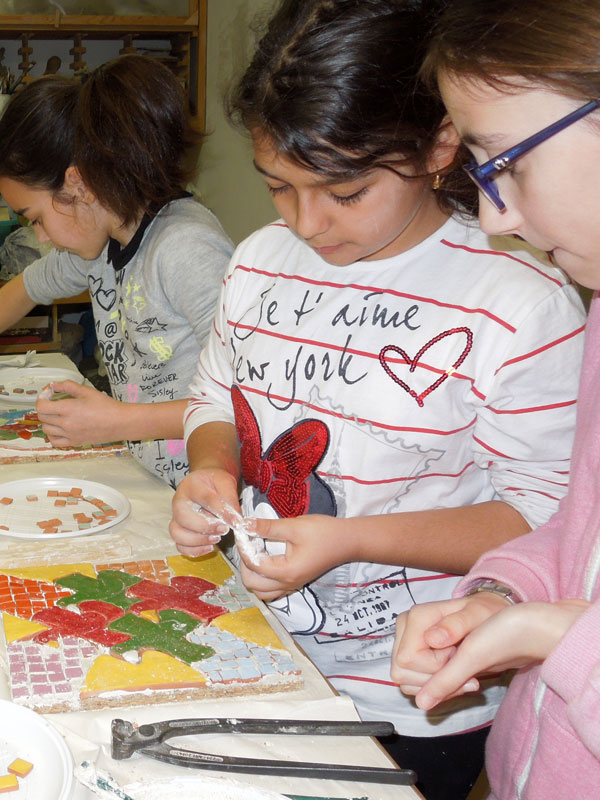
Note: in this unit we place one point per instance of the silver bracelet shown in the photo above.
(489, 585)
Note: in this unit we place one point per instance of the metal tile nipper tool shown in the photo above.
(151, 740)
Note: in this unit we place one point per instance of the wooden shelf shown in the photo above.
(54, 344)
(184, 36)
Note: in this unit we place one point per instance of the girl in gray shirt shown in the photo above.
(97, 169)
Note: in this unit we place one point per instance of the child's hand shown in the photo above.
(314, 544)
(428, 634)
(517, 636)
(193, 528)
(86, 417)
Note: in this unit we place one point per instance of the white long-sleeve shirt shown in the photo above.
(441, 377)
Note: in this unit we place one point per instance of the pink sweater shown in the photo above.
(545, 741)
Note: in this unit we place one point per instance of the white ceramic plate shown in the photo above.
(32, 380)
(25, 734)
(22, 515)
(207, 788)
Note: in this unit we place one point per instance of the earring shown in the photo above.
(437, 182)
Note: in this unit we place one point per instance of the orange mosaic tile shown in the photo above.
(18, 595)
(154, 570)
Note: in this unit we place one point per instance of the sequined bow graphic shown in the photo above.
(285, 471)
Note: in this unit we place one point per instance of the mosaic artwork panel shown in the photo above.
(126, 633)
(22, 437)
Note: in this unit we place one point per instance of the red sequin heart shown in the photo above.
(413, 363)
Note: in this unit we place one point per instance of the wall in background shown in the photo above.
(227, 182)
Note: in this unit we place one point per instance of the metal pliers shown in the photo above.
(150, 740)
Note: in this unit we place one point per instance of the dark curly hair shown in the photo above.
(334, 84)
(126, 129)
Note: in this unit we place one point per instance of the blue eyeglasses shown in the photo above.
(483, 176)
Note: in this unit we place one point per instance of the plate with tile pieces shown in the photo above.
(21, 385)
(59, 508)
(28, 736)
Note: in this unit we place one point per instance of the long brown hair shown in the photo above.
(550, 42)
(334, 85)
(126, 129)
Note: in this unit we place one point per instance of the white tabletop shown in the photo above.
(59, 360)
(144, 534)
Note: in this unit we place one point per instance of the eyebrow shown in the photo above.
(482, 140)
(264, 172)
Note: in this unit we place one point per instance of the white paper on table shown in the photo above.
(85, 731)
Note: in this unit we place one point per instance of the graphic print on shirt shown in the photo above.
(137, 369)
(300, 612)
(307, 361)
(335, 368)
(413, 363)
(132, 297)
(105, 299)
(284, 479)
(364, 608)
(400, 447)
(328, 341)
(112, 346)
(285, 474)
(150, 325)
(161, 348)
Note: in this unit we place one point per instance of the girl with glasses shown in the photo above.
(520, 80)
(382, 376)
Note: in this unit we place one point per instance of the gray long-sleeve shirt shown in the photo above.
(152, 316)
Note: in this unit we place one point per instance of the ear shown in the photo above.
(76, 186)
(445, 147)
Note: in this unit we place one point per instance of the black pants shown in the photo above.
(446, 766)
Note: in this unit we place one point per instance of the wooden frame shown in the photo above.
(187, 37)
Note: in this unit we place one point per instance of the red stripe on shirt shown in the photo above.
(505, 255)
(491, 449)
(379, 290)
(539, 350)
(544, 480)
(354, 479)
(364, 680)
(530, 491)
(436, 576)
(533, 409)
(353, 418)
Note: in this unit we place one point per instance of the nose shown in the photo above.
(497, 223)
(310, 217)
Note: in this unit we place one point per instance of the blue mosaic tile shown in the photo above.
(231, 675)
(249, 672)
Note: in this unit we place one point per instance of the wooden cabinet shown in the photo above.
(178, 40)
(52, 341)
(182, 37)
